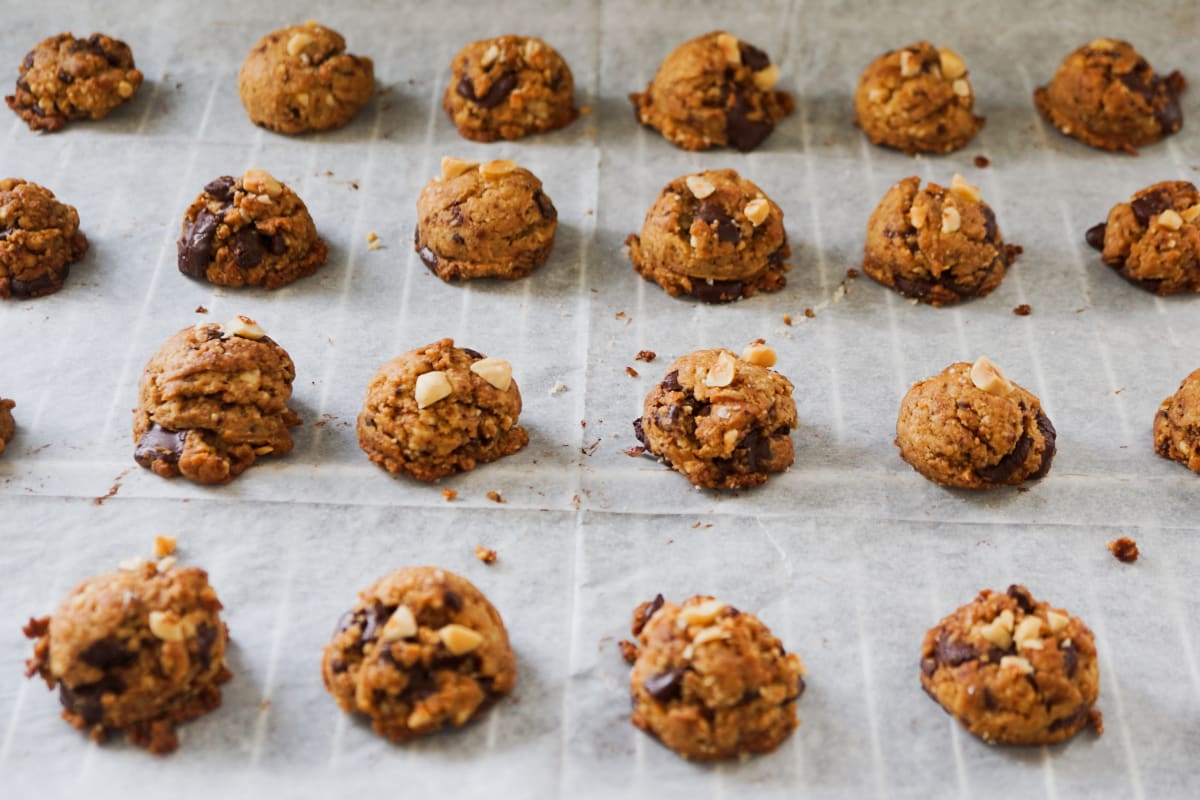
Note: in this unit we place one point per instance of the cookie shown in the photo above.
(1013, 670)
(721, 421)
(509, 87)
(1176, 425)
(7, 426)
(917, 99)
(440, 410)
(139, 650)
(1153, 241)
(940, 246)
(488, 220)
(970, 427)
(213, 400)
(714, 91)
(711, 682)
(249, 231)
(714, 236)
(65, 79)
(1106, 95)
(39, 240)
(421, 650)
(300, 79)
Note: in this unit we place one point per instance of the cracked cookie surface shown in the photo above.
(7, 427)
(1177, 424)
(1153, 241)
(39, 240)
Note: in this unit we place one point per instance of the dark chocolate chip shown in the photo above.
(247, 248)
(65, 77)
(85, 700)
(195, 248)
(1070, 659)
(452, 601)
(776, 258)
(376, 617)
(914, 287)
(650, 611)
(727, 230)
(1051, 436)
(1095, 235)
(1149, 206)
(928, 667)
(338, 666)
(671, 383)
(159, 444)
(665, 686)
(952, 652)
(44, 284)
(1070, 720)
(989, 699)
(499, 90)
(742, 132)
(107, 653)
(1169, 115)
(276, 244)
(752, 57)
(221, 188)
(458, 240)
(351, 619)
(639, 432)
(545, 206)
(29, 59)
(1136, 83)
(206, 637)
(711, 291)
(456, 214)
(1023, 597)
(1003, 469)
(990, 231)
(472, 353)
(421, 684)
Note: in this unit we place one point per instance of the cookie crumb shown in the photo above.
(631, 372)
(808, 312)
(372, 237)
(1023, 310)
(373, 242)
(634, 452)
(558, 388)
(646, 355)
(201, 310)
(787, 320)
(982, 162)
(164, 546)
(1124, 550)
(264, 705)
(449, 494)
(496, 497)
(1096, 720)
(852, 273)
(629, 650)
(484, 554)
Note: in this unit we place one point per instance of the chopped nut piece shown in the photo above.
(495, 371)
(1017, 662)
(490, 56)
(999, 630)
(163, 546)
(757, 211)
(166, 563)
(646, 355)
(721, 373)
(532, 48)
(1191, 214)
(951, 220)
(960, 187)
(257, 181)
(165, 625)
(631, 372)
(878, 94)
(729, 46)
(449, 494)
(1029, 632)
(401, 625)
(1057, 622)
(629, 650)
(496, 497)
(485, 554)
(244, 327)
(431, 387)
(961, 87)
(1124, 550)
(709, 635)
(988, 377)
(1170, 219)
(952, 64)
(132, 564)
(297, 43)
(910, 65)
(453, 167)
(1023, 310)
(918, 216)
(1102, 44)
(766, 78)
(418, 718)
(759, 354)
(459, 639)
(700, 614)
(125, 89)
(699, 186)
(497, 168)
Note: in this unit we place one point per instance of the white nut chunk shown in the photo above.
(721, 373)
(257, 181)
(1058, 622)
(960, 187)
(1018, 663)
(298, 43)
(712, 634)
(1029, 633)
(918, 216)
(166, 626)
(961, 87)
(498, 168)
(490, 56)
(401, 625)
(495, 371)
(951, 220)
(1170, 219)
(999, 630)
(953, 65)
(759, 355)
(766, 78)
(431, 387)
(757, 211)
(1191, 214)
(910, 65)
(453, 167)
(988, 377)
(699, 186)
(459, 639)
(729, 47)
(700, 614)
(244, 327)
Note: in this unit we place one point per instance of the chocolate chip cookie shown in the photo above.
(721, 421)
(917, 99)
(714, 236)
(1107, 96)
(971, 427)
(938, 245)
(1013, 670)
(249, 231)
(1177, 424)
(300, 79)
(65, 79)
(39, 240)
(439, 410)
(509, 87)
(488, 220)
(139, 650)
(421, 650)
(7, 426)
(714, 91)
(1153, 241)
(213, 400)
(711, 682)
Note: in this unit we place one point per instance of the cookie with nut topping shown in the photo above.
(710, 681)
(970, 427)
(301, 79)
(212, 401)
(714, 236)
(1153, 241)
(439, 410)
(938, 245)
(39, 240)
(509, 87)
(721, 421)
(1013, 670)
(422, 650)
(1177, 424)
(139, 651)
(714, 91)
(1105, 94)
(249, 231)
(8, 428)
(917, 99)
(65, 78)
(489, 220)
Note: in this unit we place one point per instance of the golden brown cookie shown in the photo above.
(300, 79)
(714, 91)
(7, 426)
(489, 220)
(439, 410)
(721, 421)
(1153, 241)
(711, 682)
(1177, 424)
(65, 79)
(714, 236)
(1106, 95)
(509, 87)
(39, 240)
(970, 427)
(249, 231)
(938, 245)
(139, 650)
(212, 401)
(421, 650)
(1013, 670)
(917, 99)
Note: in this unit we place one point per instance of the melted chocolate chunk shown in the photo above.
(107, 653)
(1095, 236)
(952, 652)
(160, 444)
(1070, 659)
(671, 383)
(221, 188)
(717, 291)
(376, 617)
(429, 258)
(1151, 205)
(1004, 469)
(752, 57)
(928, 667)
(421, 684)
(195, 248)
(29, 59)
(452, 601)
(545, 206)
(665, 686)
(648, 612)
(727, 230)
(500, 89)
(1169, 115)
(1023, 597)
(639, 432)
(338, 666)
(206, 637)
(1069, 721)
(990, 231)
(914, 287)
(65, 77)
(456, 216)
(85, 700)
(1051, 436)
(45, 284)
(351, 619)
(741, 131)
(472, 353)
(247, 248)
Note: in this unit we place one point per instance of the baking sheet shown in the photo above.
(849, 556)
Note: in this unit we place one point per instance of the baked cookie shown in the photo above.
(1013, 670)
(917, 99)
(723, 422)
(1153, 241)
(439, 410)
(7, 426)
(39, 240)
(487, 220)
(65, 79)
(714, 91)
(938, 245)
(249, 231)
(714, 236)
(422, 649)
(1176, 425)
(139, 650)
(212, 400)
(970, 427)
(710, 681)
(300, 79)
(1106, 95)
(509, 87)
